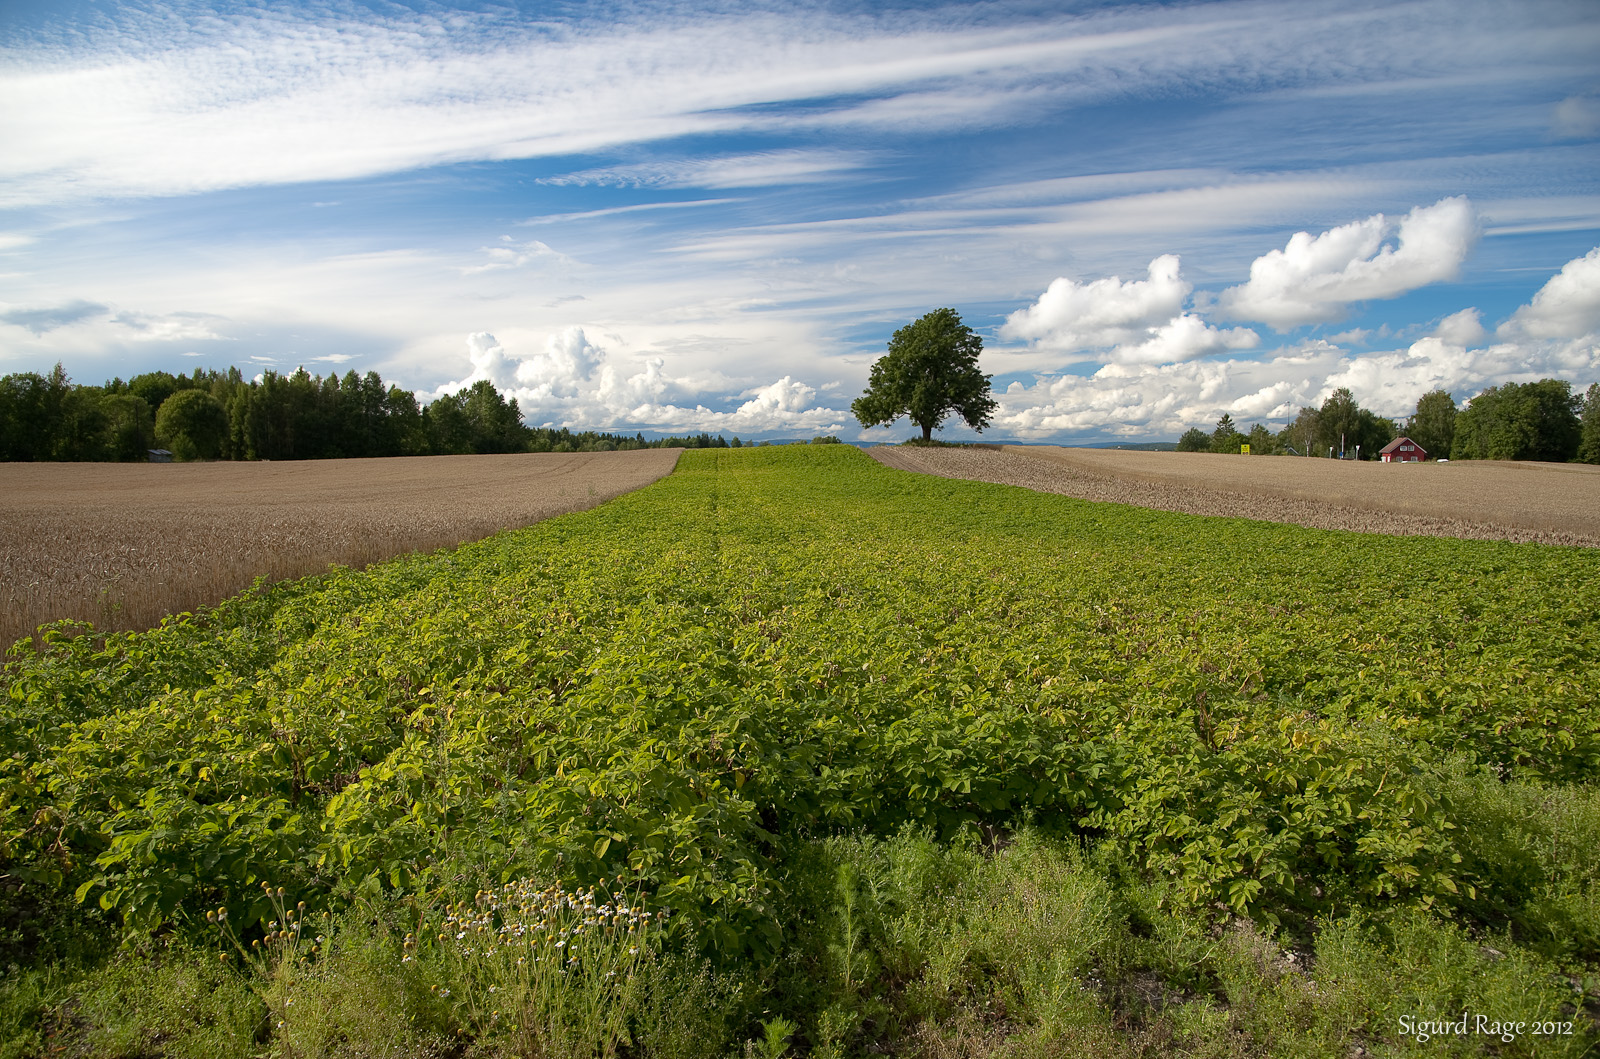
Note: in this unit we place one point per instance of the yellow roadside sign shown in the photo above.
(1244, 450)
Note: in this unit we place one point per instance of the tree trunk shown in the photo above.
(927, 432)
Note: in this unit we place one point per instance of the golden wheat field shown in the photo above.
(1551, 503)
(123, 545)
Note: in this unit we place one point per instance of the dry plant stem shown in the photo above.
(1544, 503)
(124, 545)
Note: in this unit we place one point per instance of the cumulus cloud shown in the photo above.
(1159, 400)
(785, 395)
(489, 361)
(572, 381)
(1314, 278)
(1556, 335)
(1566, 307)
(1072, 316)
(1182, 338)
(568, 360)
(1141, 319)
(1464, 328)
(636, 394)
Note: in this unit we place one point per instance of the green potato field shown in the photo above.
(780, 674)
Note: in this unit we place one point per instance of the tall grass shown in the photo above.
(906, 945)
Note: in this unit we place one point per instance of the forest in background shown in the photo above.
(212, 415)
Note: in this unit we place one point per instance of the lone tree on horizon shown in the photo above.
(930, 371)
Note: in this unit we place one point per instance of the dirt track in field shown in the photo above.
(123, 545)
(1549, 503)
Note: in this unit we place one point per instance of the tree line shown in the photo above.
(212, 415)
(1542, 420)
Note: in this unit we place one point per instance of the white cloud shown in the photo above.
(167, 327)
(573, 382)
(150, 106)
(1566, 307)
(785, 395)
(1164, 399)
(1577, 117)
(1313, 279)
(1143, 319)
(512, 254)
(1184, 338)
(569, 359)
(1464, 328)
(761, 169)
(635, 394)
(147, 102)
(490, 361)
(1071, 316)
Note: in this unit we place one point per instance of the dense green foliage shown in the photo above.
(930, 371)
(1589, 427)
(1520, 421)
(696, 684)
(1433, 425)
(193, 425)
(1226, 437)
(275, 417)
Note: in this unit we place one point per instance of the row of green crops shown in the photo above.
(775, 644)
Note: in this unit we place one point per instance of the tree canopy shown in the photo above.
(1433, 426)
(1589, 426)
(1351, 430)
(193, 424)
(930, 372)
(1226, 437)
(1520, 421)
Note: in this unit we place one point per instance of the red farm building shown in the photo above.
(1402, 450)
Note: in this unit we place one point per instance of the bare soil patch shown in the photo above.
(124, 545)
(1549, 503)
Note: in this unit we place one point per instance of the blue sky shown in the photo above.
(686, 216)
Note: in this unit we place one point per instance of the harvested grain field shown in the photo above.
(1550, 503)
(123, 545)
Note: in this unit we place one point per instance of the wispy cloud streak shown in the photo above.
(159, 106)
